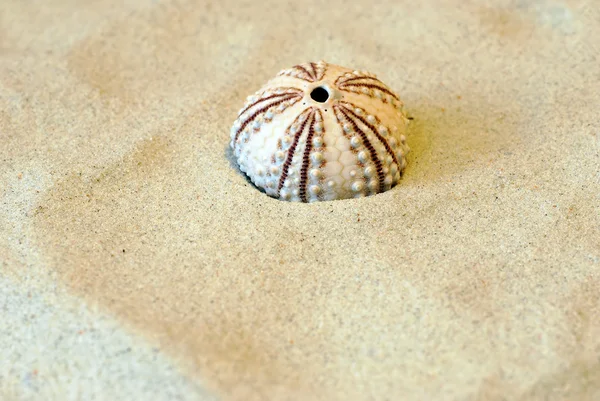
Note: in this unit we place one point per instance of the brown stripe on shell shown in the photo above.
(321, 71)
(347, 106)
(345, 87)
(262, 110)
(289, 91)
(341, 80)
(309, 113)
(368, 145)
(300, 72)
(306, 157)
(313, 66)
(302, 68)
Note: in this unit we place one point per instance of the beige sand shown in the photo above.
(477, 278)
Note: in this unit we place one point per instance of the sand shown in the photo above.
(137, 262)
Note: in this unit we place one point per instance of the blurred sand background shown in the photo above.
(137, 263)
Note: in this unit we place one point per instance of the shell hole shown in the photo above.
(319, 94)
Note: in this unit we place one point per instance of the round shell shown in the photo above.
(319, 131)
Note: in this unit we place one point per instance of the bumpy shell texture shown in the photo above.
(319, 132)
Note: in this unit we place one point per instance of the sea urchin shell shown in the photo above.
(318, 131)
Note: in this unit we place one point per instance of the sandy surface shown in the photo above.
(138, 263)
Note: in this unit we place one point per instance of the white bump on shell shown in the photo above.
(285, 194)
(317, 157)
(315, 189)
(358, 186)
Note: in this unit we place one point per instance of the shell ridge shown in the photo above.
(345, 81)
(321, 70)
(374, 131)
(369, 146)
(298, 71)
(315, 74)
(290, 91)
(308, 73)
(361, 81)
(262, 110)
(306, 158)
(345, 87)
(292, 149)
